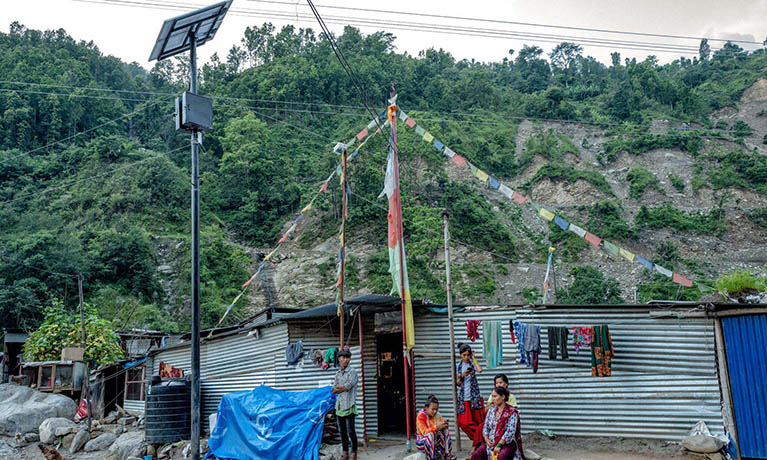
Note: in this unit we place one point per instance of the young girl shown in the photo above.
(432, 433)
(471, 408)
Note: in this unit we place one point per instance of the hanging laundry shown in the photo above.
(472, 329)
(558, 339)
(316, 356)
(492, 343)
(531, 342)
(601, 352)
(581, 338)
(519, 331)
(294, 352)
(511, 330)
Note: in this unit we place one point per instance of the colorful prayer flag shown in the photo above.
(644, 262)
(546, 214)
(438, 145)
(577, 230)
(459, 160)
(474, 169)
(679, 279)
(493, 182)
(410, 123)
(562, 223)
(307, 207)
(362, 134)
(403, 116)
(593, 239)
(507, 192)
(397, 257)
(663, 271)
(372, 124)
(420, 131)
(449, 152)
(627, 255)
(611, 249)
(519, 199)
(324, 186)
(269, 256)
(481, 175)
(428, 137)
(351, 142)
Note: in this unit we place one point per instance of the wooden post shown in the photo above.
(450, 326)
(344, 215)
(362, 373)
(86, 380)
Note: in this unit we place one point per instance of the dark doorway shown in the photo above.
(12, 359)
(391, 384)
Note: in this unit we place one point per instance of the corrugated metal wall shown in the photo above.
(242, 362)
(664, 373)
(746, 343)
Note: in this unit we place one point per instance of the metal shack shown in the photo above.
(253, 354)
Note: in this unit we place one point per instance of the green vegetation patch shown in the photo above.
(667, 216)
(565, 172)
(640, 179)
(638, 143)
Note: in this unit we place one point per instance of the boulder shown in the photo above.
(100, 443)
(126, 421)
(130, 444)
(51, 426)
(702, 443)
(81, 438)
(66, 441)
(331, 452)
(65, 430)
(23, 409)
(32, 437)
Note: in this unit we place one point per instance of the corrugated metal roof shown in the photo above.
(746, 344)
(664, 373)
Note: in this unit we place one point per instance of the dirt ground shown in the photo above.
(557, 448)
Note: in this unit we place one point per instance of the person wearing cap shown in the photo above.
(345, 386)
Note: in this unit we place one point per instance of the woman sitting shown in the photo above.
(432, 434)
(502, 433)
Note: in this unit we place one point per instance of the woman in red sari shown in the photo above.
(502, 433)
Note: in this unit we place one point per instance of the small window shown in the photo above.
(135, 383)
(46, 376)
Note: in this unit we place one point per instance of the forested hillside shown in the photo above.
(668, 159)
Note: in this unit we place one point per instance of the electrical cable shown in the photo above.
(497, 21)
(427, 27)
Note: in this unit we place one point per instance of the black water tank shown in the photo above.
(168, 411)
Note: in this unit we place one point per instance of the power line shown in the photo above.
(84, 96)
(497, 21)
(114, 120)
(427, 27)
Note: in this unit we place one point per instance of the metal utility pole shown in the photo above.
(193, 114)
(195, 441)
(453, 377)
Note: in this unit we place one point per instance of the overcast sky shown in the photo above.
(129, 32)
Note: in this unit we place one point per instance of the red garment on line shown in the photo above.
(471, 422)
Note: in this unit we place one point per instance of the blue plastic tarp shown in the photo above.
(266, 423)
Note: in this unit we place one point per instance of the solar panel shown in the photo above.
(174, 37)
